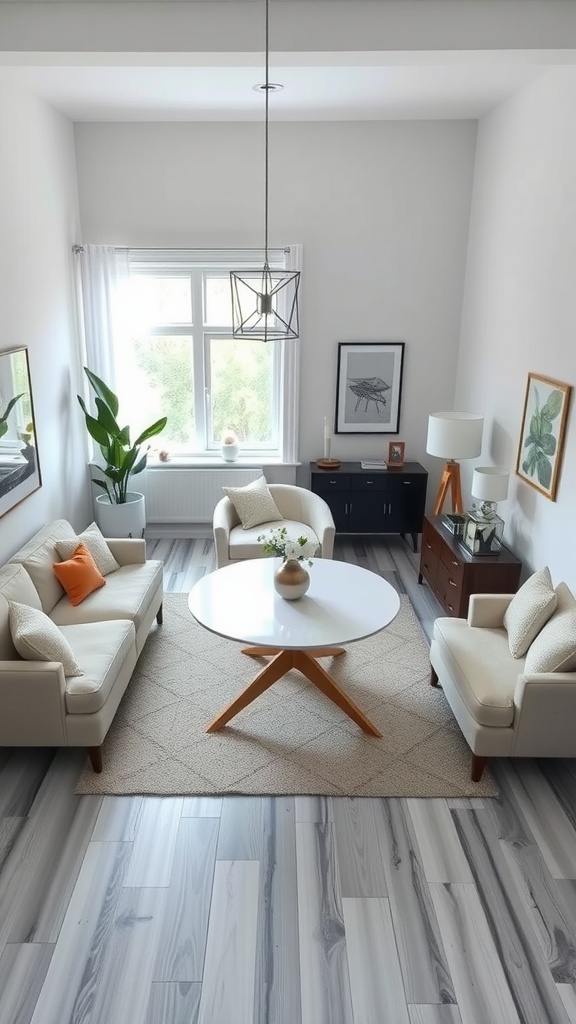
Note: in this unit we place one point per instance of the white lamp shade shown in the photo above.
(454, 435)
(490, 483)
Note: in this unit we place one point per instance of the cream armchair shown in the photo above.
(304, 513)
(502, 710)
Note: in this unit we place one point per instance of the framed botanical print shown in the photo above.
(542, 433)
(369, 387)
(19, 465)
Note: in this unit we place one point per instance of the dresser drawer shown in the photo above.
(324, 484)
(429, 564)
(378, 482)
(430, 539)
(452, 563)
(450, 589)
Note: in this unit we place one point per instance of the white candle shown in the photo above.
(326, 430)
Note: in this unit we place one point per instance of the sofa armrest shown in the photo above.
(319, 517)
(487, 610)
(128, 550)
(32, 704)
(544, 715)
(224, 519)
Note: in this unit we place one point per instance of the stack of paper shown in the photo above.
(373, 464)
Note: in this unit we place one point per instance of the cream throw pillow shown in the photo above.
(254, 503)
(36, 638)
(554, 649)
(97, 546)
(528, 611)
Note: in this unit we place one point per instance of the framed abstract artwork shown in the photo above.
(19, 465)
(369, 387)
(542, 433)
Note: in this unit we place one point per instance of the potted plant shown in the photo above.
(229, 446)
(120, 512)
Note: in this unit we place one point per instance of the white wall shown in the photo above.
(38, 223)
(381, 209)
(520, 300)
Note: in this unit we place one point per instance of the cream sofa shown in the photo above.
(501, 709)
(39, 706)
(304, 513)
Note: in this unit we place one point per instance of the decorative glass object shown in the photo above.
(482, 535)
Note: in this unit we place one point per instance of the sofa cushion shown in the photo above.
(528, 610)
(92, 539)
(38, 557)
(36, 638)
(245, 544)
(102, 647)
(79, 575)
(127, 595)
(482, 668)
(254, 503)
(15, 585)
(554, 649)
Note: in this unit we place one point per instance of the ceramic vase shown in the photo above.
(126, 520)
(230, 452)
(291, 580)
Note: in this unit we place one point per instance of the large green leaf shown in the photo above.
(544, 470)
(103, 391)
(553, 404)
(529, 440)
(548, 444)
(535, 425)
(97, 431)
(140, 465)
(156, 428)
(106, 418)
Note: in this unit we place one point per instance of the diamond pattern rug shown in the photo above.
(292, 739)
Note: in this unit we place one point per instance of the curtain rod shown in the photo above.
(76, 249)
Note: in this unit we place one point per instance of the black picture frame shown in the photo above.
(19, 462)
(369, 387)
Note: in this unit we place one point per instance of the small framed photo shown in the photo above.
(542, 433)
(369, 387)
(396, 453)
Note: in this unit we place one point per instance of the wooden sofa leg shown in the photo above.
(478, 766)
(433, 676)
(95, 755)
(160, 615)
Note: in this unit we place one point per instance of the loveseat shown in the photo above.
(39, 705)
(503, 704)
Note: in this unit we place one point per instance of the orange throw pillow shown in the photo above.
(79, 575)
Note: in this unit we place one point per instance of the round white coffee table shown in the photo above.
(344, 603)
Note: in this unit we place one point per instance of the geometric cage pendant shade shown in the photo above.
(265, 304)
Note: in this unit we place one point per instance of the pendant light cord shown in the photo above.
(266, 90)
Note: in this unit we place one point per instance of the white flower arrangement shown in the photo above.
(228, 437)
(277, 542)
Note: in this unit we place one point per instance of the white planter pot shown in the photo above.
(230, 452)
(126, 520)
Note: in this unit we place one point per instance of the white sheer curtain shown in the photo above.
(104, 271)
(291, 374)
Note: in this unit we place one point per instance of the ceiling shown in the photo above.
(326, 86)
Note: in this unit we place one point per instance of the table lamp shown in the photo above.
(451, 436)
(483, 528)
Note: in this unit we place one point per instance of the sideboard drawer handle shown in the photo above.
(369, 482)
(407, 483)
(452, 584)
(429, 546)
(454, 562)
(450, 608)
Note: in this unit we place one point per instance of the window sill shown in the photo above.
(215, 462)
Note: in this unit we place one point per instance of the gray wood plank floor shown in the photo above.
(306, 910)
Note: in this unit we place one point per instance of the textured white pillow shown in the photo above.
(554, 649)
(254, 503)
(529, 610)
(36, 638)
(97, 546)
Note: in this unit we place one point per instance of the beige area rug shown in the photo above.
(292, 739)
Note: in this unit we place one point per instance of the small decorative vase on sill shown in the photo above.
(230, 448)
(291, 580)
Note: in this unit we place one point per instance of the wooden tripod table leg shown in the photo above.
(310, 668)
(280, 664)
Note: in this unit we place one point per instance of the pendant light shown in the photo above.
(265, 301)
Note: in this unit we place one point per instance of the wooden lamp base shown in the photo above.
(450, 481)
(328, 463)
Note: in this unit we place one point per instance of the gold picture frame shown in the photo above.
(543, 432)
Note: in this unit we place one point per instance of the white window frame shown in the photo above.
(285, 381)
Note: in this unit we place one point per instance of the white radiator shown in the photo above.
(185, 495)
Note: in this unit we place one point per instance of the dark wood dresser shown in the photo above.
(453, 572)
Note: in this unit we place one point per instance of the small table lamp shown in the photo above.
(483, 529)
(451, 436)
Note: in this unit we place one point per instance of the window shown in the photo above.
(176, 356)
